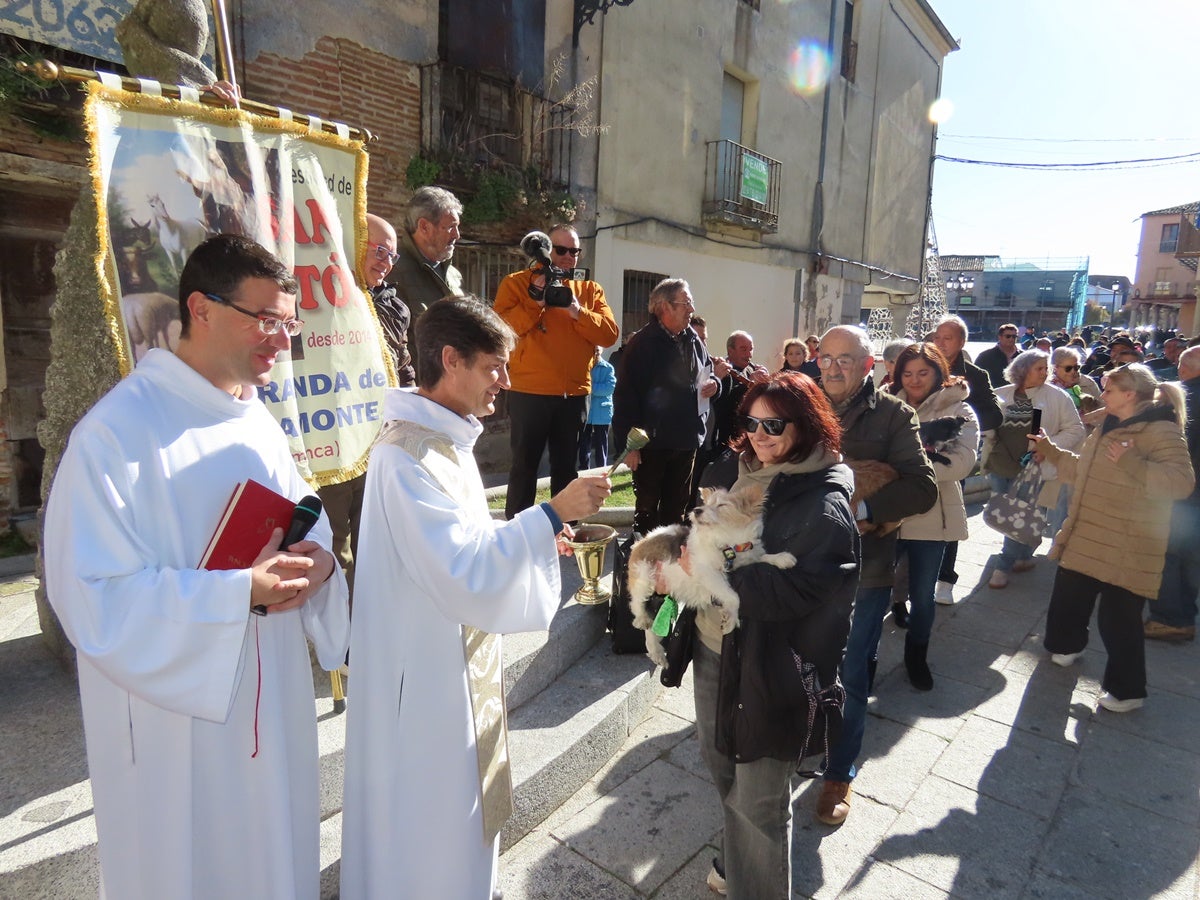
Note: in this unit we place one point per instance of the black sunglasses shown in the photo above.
(773, 427)
(567, 251)
(1070, 368)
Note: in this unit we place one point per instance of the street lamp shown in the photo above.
(959, 284)
(1112, 319)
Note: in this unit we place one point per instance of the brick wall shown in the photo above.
(342, 80)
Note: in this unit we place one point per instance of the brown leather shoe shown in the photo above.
(834, 803)
(1160, 631)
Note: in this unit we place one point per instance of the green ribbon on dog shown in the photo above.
(667, 614)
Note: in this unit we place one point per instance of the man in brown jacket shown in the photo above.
(875, 426)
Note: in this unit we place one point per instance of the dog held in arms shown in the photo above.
(725, 533)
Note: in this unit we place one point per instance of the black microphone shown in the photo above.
(304, 517)
(536, 245)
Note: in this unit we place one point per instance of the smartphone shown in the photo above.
(1037, 422)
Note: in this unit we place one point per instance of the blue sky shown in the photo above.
(1107, 80)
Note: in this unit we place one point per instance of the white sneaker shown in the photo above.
(715, 880)
(1112, 704)
(944, 594)
(1065, 659)
(998, 580)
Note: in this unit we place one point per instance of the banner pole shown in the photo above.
(224, 45)
(48, 71)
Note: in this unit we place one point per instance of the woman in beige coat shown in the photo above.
(922, 379)
(1112, 545)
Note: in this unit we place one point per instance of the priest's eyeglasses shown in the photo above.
(268, 325)
(773, 427)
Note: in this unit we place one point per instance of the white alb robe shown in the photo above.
(411, 817)
(168, 654)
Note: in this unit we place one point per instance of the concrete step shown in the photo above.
(533, 660)
(560, 738)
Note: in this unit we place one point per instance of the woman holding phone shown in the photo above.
(1026, 396)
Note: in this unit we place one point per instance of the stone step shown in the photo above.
(533, 660)
(560, 738)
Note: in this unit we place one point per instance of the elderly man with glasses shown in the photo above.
(995, 360)
(877, 427)
(664, 383)
(343, 501)
(550, 368)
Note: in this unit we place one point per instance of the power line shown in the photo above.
(1106, 165)
(1050, 140)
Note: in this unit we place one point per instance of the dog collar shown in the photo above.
(730, 553)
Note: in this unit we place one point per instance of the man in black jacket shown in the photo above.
(1173, 611)
(950, 337)
(664, 380)
(875, 426)
(995, 360)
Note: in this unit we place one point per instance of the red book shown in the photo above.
(253, 512)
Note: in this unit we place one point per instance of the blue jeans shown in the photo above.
(1011, 551)
(866, 625)
(1175, 604)
(593, 446)
(924, 564)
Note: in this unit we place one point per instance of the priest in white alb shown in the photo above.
(198, 715)
(427, 784)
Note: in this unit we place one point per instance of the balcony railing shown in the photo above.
(483, 120)
(741, 186)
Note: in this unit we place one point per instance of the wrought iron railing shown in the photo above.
(485, 120)
(741, 186)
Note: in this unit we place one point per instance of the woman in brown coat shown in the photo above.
(1124, 480)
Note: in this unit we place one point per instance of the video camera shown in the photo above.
(536, 245)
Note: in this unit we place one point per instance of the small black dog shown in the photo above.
(936, 434)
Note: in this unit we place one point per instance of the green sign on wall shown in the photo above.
(754, 179)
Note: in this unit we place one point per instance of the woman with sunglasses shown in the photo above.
(752, 734)
(922, 379)
(1067, 363)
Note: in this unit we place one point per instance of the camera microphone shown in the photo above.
(536, 245)
(304, 517)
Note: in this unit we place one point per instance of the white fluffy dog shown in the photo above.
(725, 534)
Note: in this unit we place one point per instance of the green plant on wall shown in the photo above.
(44, 108)
(421, 172)
(497, 196)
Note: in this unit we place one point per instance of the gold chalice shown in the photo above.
(588, 545)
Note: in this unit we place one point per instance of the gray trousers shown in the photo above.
(756, 801)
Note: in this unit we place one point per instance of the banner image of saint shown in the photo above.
(170, 173)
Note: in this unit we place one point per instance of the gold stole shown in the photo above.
(435, 453)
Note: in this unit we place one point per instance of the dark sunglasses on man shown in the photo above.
(567, 251)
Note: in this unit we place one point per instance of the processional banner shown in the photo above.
(167, 174)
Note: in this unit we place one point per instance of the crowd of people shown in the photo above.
(200, 729)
